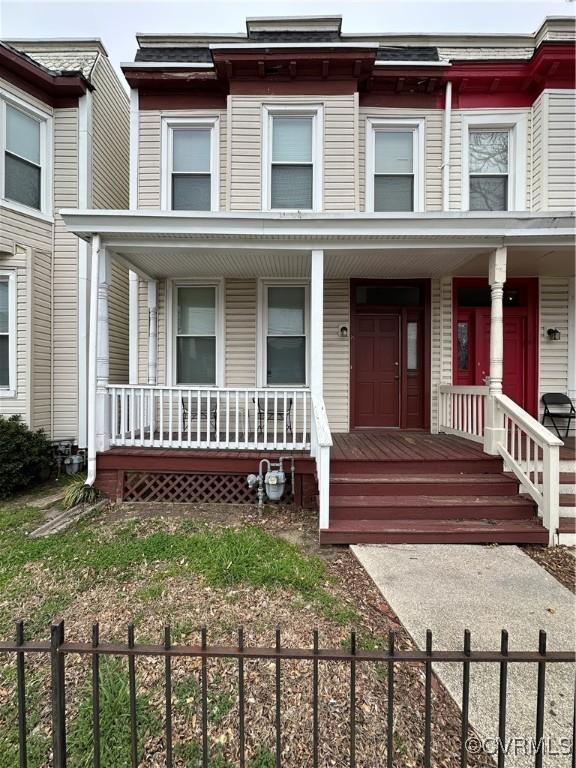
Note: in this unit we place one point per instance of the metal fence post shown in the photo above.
(57, 662)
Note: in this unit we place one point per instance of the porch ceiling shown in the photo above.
(180, 262)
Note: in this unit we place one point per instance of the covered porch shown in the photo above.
(247, 405)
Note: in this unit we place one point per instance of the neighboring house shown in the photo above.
(64, 142)
(342, 246)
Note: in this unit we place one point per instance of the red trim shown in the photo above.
(531, 312)
(55, 90)
(269, 87)
(149, 99)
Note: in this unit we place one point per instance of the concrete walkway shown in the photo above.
(450, 588)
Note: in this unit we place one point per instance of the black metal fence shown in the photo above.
(59, 649)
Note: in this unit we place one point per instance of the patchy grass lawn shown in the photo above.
(221, 570)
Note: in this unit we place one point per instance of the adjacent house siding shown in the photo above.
(441, 341)
(554, 296)
(240, 328)
(150, 153)
(539, 152)
(41, 345)
(65, 277)
(561, 137)
(337, 353)
(432, 150)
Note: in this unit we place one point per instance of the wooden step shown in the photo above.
(411, 531)
(425, 507)
(476, 465)
(425, 484)
(567, 525)
(568, 499)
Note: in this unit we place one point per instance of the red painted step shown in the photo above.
(423, 484)
(410, 531)
(422, 507)
(568, 499)
(476, 465)
(567, 525)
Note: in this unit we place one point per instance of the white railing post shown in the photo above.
(103, 425)
(494, 432)
(317, 324)
(551, 490)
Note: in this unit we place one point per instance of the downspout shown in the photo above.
(446, 148)
(84, 201)
(92, 360)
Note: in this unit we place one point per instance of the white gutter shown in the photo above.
(84, 199)
(446, 148)
(166, 65)
(263, 46)
(412, 63)
(92, 361)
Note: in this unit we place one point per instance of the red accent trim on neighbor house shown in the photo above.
(160, 99)
(529, 287)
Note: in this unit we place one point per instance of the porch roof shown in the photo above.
(246, 244)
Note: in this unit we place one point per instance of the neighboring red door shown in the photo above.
(376, 361)
(472, 347)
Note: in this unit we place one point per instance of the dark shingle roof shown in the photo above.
(407, 53)
(294, 37)
(183, 53)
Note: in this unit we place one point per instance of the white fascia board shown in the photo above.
(309, 226)
(166, 65)
(421, 64)
(257, 46)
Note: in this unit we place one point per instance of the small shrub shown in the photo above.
(77, 492)
(26, 456)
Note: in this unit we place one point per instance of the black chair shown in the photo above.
(279, 411)
(203, 413)
(558, 406)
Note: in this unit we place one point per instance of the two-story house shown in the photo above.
(64, 142)
(354, 251)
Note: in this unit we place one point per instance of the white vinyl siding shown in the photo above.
(336, 353)
(553, 355)
(240, 332)
(561, 150)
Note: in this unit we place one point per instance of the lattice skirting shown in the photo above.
(183, 488)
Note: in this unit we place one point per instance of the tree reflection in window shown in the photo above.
(488, 163)
(463, 347)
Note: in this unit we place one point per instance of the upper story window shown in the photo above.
(488, 166)
(293, 165)
(191, 165)
(24, 161)
(7, 333)
(494, 161)
(395, 166)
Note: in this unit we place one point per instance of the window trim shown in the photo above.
(9, 276)
(261, 353)
(168, 126)
(46, 162)
(315, 111)
(417, 126)
(172, 286)
(517, 125)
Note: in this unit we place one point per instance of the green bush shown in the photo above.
(26, 457)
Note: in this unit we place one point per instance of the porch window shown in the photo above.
(489, 168)
(292, 167)
(286, 335)
(191, 165)
(24, 161)
(395, 163)
(7, 334)
(196, 335)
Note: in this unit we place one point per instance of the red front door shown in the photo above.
(472, 344)
(376, 361)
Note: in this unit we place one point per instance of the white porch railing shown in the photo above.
(320, 449)
(462, 411)
(528, 449)
(196, 417)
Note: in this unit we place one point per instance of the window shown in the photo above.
(463, 351)
(286, 335)
(292, 171)
(196, 332)
(395, 166)
(7, 334)
(191, 162)
(488, 165)
(494, 160)
(24, 166)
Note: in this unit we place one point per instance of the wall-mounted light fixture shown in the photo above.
(343, 331)
(553, 334)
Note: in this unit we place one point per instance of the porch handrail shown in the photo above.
(250, 418)
(530, 450)
(462, 410)
(321, 442)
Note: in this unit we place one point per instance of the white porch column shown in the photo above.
(133, 327)
(152, 331)
(494, 432)
(572, 339)
(317, 323)
(103, 354)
